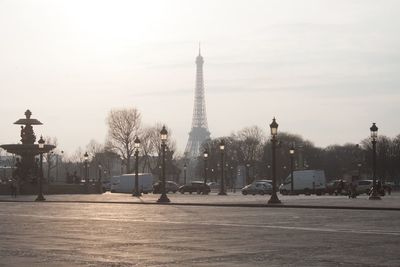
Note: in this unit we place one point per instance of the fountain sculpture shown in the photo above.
(27, 168)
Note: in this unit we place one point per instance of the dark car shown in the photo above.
(198, 187)
(257, 187)
(106, 185)
(337, 187)
(170, 186)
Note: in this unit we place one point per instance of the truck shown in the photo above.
(126, 183)
(305, 182)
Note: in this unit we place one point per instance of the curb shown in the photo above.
(233, 205)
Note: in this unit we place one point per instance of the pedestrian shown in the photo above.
(379, 188)
(352, 190)
(340, 187)
(13, 187)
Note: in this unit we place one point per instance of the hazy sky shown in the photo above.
(325, 69)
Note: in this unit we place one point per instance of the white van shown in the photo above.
(126, 183)
(305, 182)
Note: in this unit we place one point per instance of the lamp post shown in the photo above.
(40, 196)
(163, 198)
(136, 192)
(247, 173)
(100, 187)
(184, 173)
(374, 135)
(56, 179)
(233, 181)
(274, 131)
(359, 165)
(4, 173)
(205, 155)
(291, 152)
(100, 171)
(86, 158)
(222, 187)
(61, 161)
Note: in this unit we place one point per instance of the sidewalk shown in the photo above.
(391, 202)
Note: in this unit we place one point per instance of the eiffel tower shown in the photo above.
(199, 132)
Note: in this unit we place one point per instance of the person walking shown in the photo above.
(13, 187)
(352, 192)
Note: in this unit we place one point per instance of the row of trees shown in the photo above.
(115, 156)
(249, 147)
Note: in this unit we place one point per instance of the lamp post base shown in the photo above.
(222, 193)
(374, 197)
(163, 199)
(40, 197)
(137, 194)
(274, 199)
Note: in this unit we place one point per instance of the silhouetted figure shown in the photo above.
(339, 188)
(77, 180)
(70, 179)
(352, 192)
(17, 171)
(23, 135)
(379, 188)
(13, 188)
(389, 189)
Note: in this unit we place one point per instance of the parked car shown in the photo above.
(195, 186)
(257, 187)
(170, 186)
(213, 185)
(333, 187)
(363, 186)
(266, 181)
(106, 185)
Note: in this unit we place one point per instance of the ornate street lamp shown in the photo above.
(99, 185)
(359, 165)
(184, 173)
(205, 156)
(222, 187)
(136, 192)
(86, 160)
(291, 152)
(4, 172)
(233, 181)
(100, 171)
(374, 136)
(248, 173)
(163, 198)
(40, 196)
(274, 132)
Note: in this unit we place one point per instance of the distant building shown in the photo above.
(199, 132)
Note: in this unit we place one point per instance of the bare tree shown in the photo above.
(94, 147)
(123, 126)
(50, 157)
(250, 144)
(151, 146)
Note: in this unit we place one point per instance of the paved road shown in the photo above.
(93, 234)
(392, 201)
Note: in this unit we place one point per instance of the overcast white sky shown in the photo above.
(325, 69)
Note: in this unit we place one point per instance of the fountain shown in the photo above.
(27, 168)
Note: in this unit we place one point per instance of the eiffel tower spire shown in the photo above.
(199, 132)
